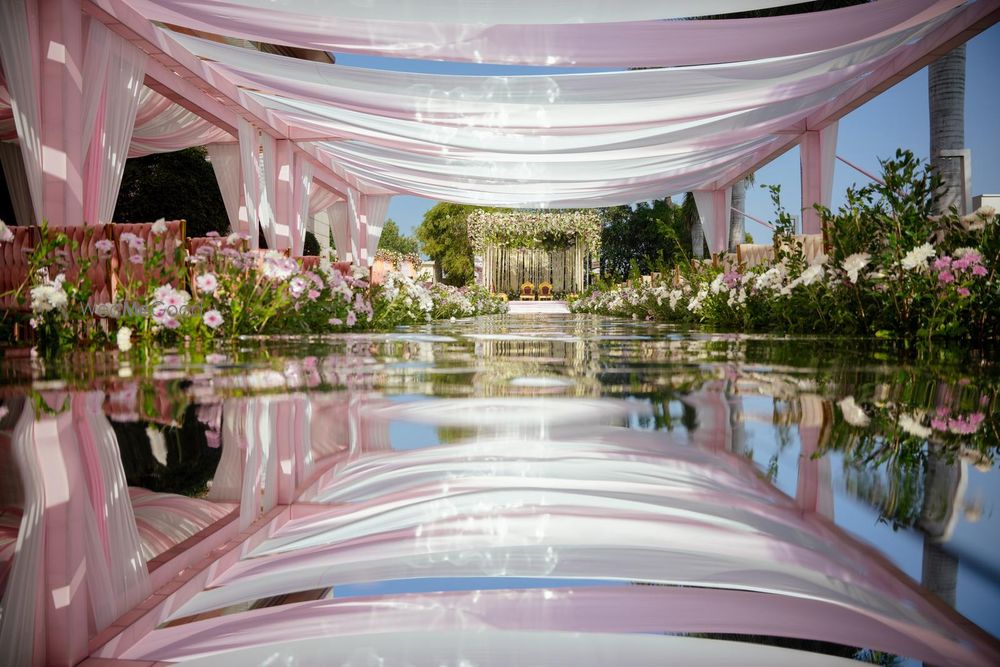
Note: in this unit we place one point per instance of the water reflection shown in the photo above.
(514, 477)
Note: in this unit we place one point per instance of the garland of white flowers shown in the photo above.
(534, 229)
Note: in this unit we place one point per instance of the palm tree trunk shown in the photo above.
(697, 240)
(946, 94)
(736, 223)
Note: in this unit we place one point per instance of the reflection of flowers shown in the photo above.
(853, 413)
(911, 424)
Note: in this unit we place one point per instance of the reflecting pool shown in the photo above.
(547, 489)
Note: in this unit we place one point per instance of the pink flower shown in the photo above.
(136, 259)
(946, 277)
(212, 319)
(215, 358)
(351, 318)
(962, 291)
(205, 251)
(213, 235)
(979, 270)
(942, 263)
(206, 283)
(171, 323)
(313, 294)
(104, 247)
(336, 321)
(939, 424)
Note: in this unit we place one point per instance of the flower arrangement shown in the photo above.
(893, 270)
(220, 292)
(534, 229)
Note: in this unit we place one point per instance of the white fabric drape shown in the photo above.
(17, 183)
(225, 160)
(268, 190)
(375, 207)
(622, 44)
(527, 104)
(713, 211)
(359, 245)
(250, 166)
(162, 126)
(126, 67)
(300, 191)
(320, 198)
(475, 13)
(20, 73)
(340, 228)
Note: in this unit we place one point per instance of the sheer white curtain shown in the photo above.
(226, 165)
(376, 207)
(250, 166)
(356, 226)
(269, 178)
(20, 73)
(162, 126)
(713, 210)
(17, 182)
(301, 190)
(123, 85)
(340, 227)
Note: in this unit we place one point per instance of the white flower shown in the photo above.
(811, 274)
(853, 413)
(718, 284)
(917, 258)
(853, 265)
(212, 319)
(6, 236)
(233, 239)
(159, 227)
(962, 252)
(912, 425)
(819, 259)
(124, 339)
(986, 211)
(206, 283)
(48, 296)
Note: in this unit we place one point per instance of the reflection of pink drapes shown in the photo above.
(623, 609)
(166, 519)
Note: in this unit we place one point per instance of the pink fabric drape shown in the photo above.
(620, 44)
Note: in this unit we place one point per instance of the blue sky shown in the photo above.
(896, 119)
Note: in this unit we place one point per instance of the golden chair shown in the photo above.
(527, 291)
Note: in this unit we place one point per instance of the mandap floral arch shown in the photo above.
(512, 247)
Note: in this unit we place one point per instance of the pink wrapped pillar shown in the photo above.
(817, 153)
(284, 190)
(814, 488)
(60, 47)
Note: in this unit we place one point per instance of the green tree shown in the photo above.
(444, 234)
(310, 245)
(176, 186)
(394, 240)
(650, 234)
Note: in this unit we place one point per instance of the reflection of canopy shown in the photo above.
(616, 506)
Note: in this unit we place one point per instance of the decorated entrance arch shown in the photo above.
(512, 247)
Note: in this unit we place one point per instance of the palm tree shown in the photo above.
(946, 95)
(690, 212)
(737, 226)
